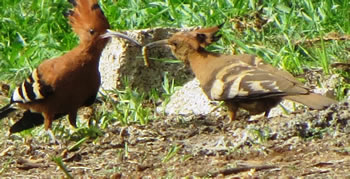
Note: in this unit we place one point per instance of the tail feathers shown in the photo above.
(29, 120)
(314, 101)
(4, 111)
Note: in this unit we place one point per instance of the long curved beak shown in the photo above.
(111, 33)
(157, 43)
(152, 44)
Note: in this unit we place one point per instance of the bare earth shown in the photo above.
(303, 144)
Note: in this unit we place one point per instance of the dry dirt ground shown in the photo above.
(305, 143)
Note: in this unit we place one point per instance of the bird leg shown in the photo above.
(232, 111)
(265, 119)
(48, 123)
(73, 119)
(52, 136)
(267, 113)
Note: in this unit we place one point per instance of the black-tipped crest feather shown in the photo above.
(95, 6)
(68, 13)
(207, 36)
(73, 2)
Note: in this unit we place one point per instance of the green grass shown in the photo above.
(60, 164)
(32, 31)
(35, 30)
(171, 153)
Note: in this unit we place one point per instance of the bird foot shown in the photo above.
(53, 140)
(256, 118)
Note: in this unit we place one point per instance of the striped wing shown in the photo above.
(31, 90)
(242, 81)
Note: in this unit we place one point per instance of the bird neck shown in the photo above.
(202, 65)
(87, 54)
(93, 48)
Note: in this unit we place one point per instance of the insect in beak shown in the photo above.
(152, 44)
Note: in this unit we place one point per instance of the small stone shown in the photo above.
(190, 99)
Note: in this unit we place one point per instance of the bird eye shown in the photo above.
(175, 44)
(92, 31)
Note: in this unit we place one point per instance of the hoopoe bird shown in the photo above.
(241, 81)
(60, 86)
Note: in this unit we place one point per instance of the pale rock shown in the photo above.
(122, 60)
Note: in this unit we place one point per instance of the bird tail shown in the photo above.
(4, 111)
(29, 120)
(86, 16)
(314, 101)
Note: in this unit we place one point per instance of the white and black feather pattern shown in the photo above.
(32, 89)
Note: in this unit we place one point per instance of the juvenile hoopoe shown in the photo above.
(241, 81)
(62, 85)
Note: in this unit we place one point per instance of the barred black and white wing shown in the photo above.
(31, 90)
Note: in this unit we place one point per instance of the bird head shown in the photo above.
(184, 43)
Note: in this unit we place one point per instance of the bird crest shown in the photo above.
(87, 19)
(183, 42)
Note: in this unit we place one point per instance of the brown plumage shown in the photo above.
(241, 81)
(61, 85)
